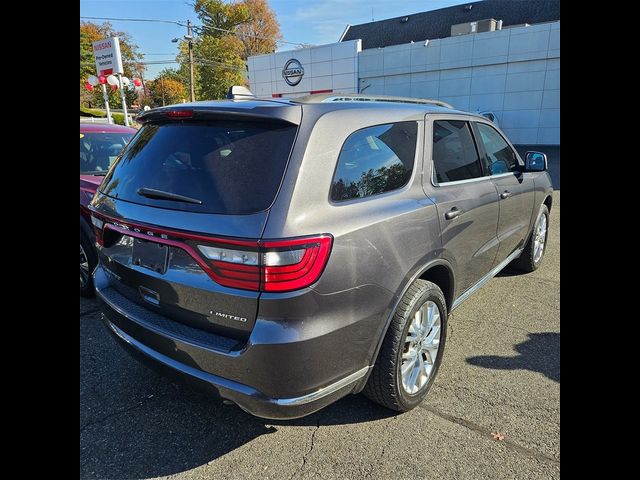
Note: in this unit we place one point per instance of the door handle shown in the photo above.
(453, 213)
(505, 194)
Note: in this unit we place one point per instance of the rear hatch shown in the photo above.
(183, 209)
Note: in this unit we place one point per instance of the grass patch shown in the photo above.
(117, 117)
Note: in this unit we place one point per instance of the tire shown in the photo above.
(87, 248)
(528, 261)
(386, 383)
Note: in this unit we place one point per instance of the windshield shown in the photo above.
(99, 150)
(225, 167)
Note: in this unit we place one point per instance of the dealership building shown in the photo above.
(498, 56)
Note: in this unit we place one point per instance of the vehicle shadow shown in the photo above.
(138, 424)
(540, 353)
(510, 271)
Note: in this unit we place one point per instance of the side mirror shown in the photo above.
(535, 162)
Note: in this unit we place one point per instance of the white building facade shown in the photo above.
(513, 72)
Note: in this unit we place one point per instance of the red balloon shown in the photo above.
(88, 86)
(102, 79)
(137, 82)
(114, 87)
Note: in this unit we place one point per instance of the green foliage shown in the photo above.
(220, 15)
(221, 46)
(117, 117)
(92, 112)
(221, 67)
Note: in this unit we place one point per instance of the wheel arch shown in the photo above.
(438, 271)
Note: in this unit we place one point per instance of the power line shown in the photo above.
(194, 27)
(136, 20)
(199, 61)
(240, 34)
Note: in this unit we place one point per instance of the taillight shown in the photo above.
(257, 265)
(232, 267)
(273, 266)
(294, 264)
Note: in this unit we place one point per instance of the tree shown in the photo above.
(218, 16)
(172, 74)
(219, 65)
(260, 33)
(131, 61)
(166, 91)
(224, 42)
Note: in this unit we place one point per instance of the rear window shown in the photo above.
(230, 167)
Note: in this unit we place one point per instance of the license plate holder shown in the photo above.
(150, 255)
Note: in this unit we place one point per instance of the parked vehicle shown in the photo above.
(100, 144)
(286, 253)
(491, 116)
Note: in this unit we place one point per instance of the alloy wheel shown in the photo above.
(540, 238)
(84, 267)
(421, 347)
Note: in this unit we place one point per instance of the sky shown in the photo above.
(313, 22)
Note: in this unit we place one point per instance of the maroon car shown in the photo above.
(100, 144)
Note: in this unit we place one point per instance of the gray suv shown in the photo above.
(286, 253)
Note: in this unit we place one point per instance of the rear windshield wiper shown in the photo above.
(152, 193)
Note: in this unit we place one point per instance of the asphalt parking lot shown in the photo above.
(501, 373)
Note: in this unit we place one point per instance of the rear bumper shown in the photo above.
(247, 398)
(264, 376)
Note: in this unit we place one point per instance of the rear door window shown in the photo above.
(231, 167)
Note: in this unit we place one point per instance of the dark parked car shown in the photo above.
(100, 144)
(286, 253)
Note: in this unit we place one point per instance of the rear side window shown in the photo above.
(455, 156)
(231, 167)
(500, 157)
(375, 160)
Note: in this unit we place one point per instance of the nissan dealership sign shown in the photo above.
(292, 72)
(107, 54)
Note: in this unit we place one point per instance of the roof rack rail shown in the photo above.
(356, 97)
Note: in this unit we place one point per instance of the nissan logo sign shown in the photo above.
(292, 72)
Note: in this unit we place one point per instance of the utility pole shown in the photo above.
(189, 38)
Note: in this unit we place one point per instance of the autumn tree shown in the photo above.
(261, 31)
(223, 43)
(165, 90)
(131, 61)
